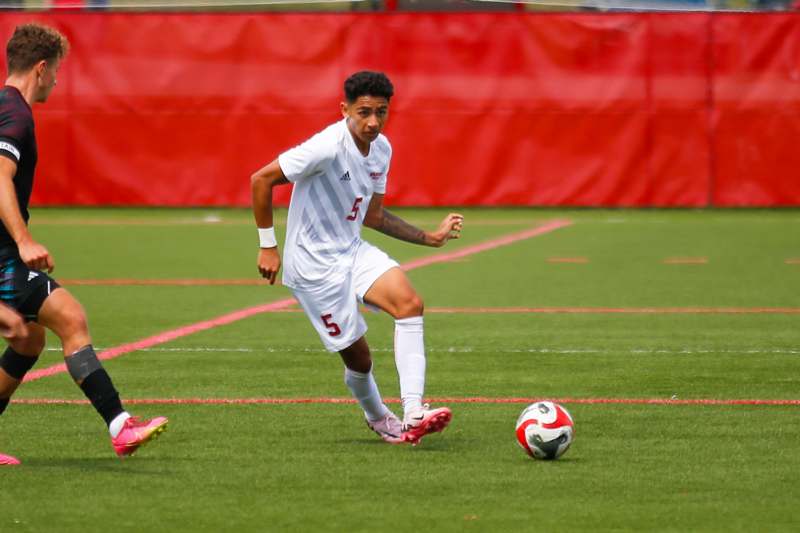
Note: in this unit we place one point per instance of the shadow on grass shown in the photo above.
(130, 466)
(552, 463)
(426, 446)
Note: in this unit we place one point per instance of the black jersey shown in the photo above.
(18, 143)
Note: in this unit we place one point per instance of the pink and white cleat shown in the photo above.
(389, 428)
(136, 433)
(7, 460)
(420, 423)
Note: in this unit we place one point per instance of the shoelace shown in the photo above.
(389, 419)
(383, 425)
(425, 407)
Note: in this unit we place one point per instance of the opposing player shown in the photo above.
(339, 178)
(34, 54)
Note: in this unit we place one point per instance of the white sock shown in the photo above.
(116, 425)
(409, 357)
(365, 390)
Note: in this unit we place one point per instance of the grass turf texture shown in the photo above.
(317, 467)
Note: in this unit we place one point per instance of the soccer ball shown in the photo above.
(545, 430)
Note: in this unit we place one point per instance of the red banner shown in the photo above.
(756, 110)
(622, 109)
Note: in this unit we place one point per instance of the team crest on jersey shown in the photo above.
(375, 175)
(345, 176)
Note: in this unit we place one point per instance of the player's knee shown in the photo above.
(63, 314)
(71, 324)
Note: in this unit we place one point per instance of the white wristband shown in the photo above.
(266, 238)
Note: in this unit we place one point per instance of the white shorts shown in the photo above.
(333, 307)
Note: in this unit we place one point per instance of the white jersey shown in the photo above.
(333, 185)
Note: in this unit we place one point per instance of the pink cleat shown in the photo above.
(136, 433)
(418, 424)
(389, 428)
(7, 460)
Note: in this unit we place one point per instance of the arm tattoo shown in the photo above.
(396, 227)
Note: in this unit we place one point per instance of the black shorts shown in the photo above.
(21, 288)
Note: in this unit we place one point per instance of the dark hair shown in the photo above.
(367, 83)
(32, 43)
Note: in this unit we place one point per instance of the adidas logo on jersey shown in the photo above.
(345, 176)
(32, 275)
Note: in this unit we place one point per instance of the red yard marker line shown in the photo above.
(685, 261)
(620, 310)
(170, 335)
(488, 245)
(448, 400)
(167, 336)
(623, 401)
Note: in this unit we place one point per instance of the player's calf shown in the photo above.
(94, 381)
(127, 433)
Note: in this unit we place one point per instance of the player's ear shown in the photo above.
(40, 67)
(343, 106)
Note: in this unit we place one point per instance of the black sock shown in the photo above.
(15, 364)
(3, 404)
(101, 392)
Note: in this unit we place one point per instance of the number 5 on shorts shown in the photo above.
(333, 328)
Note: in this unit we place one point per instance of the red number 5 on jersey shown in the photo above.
(354, 212)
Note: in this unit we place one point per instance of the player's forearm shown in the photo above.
(9, 211)
(262, 204)
(394, 226)
(261, 184)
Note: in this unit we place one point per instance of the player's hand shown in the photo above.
(35, 256)
(450, 228)
(269, 263)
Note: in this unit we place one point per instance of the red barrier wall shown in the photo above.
(619, 109)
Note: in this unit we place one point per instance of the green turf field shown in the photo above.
(730, 279)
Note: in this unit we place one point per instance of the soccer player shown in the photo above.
(33, 55)
(339, 178)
